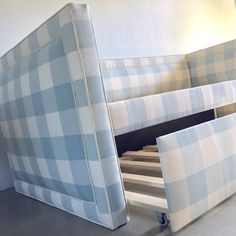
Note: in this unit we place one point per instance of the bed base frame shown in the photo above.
(145, 160)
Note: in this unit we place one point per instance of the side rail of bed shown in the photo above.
(158, 108)
(198, 166)
(138, 113)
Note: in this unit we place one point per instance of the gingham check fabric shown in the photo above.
(55, 120)
(134, 114)
(5, 174)
(213, 65)
(138, 77)
(198, 166)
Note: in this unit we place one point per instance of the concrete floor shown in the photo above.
(22, 216)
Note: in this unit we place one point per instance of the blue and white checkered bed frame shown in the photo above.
(141, 92)
(55, 121)
(54, 113)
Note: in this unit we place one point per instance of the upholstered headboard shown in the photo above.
(55, 120)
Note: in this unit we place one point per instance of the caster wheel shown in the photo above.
(163, 219)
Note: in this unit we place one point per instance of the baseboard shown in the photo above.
(5, 184)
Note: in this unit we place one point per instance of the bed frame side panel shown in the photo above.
(198, 166)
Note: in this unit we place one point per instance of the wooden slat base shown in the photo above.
(141, 165)
(147, 202)
(148, 156)
(143, 180)
(149, 162)
(150, 148)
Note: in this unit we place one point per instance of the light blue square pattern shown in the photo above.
(208, 168)
(48, 83)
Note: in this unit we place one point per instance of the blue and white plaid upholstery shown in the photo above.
(198, 166)
(5, 173)
(137, 77)
(134, 114)
(55, 120)
(213, 65)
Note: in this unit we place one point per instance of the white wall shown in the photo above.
(129, 28)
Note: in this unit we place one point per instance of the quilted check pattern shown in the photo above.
(55, 120)
(134, 114)
(213, 65)
(198, 166)
(138, 77)
(56, 125)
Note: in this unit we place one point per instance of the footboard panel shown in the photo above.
(199, 168)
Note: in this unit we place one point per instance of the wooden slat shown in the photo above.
(142, 154)
(147, 202)
(143, 180)
(141, 164)
(150, 148)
